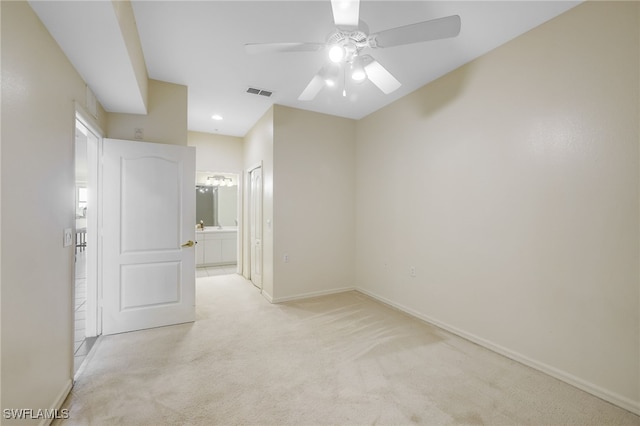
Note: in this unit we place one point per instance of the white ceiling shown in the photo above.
(89, 34)
(200, 44)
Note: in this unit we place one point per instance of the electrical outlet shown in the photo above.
(67, 239)
(286, 258)
(412, 271)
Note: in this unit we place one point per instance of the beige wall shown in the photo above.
(217, 153)
(166, 121)
(308, 202)
(511, 185)
(39, 87)
(258, 150)
(314, 203)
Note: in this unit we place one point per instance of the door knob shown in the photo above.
(189, 244)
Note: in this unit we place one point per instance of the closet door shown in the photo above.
(255, 225)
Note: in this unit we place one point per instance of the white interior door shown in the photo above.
(148, 274)
(255, 225)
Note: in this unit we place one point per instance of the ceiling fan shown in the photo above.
(346, 44)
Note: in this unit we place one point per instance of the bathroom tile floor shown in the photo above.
(210, 271)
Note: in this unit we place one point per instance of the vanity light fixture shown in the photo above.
(218, 180)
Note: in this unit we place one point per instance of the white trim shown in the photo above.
(240, 216)
(88, 120)
(265, 294)
(93, 145)
(57, 403)
(313, 294)
(609, 396)
(84, 116)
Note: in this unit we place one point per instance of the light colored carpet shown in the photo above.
(342, 360)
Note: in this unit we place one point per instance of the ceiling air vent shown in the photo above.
(260, 92)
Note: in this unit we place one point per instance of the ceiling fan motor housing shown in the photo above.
(351, 42)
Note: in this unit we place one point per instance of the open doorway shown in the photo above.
(85, 286)
(217, 223)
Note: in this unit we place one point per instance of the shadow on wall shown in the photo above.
(439, 99)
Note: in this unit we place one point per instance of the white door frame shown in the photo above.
(241, 233)
(239, 212)
(93, 325)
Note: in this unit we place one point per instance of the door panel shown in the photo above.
(149, 285)
(148, 215)
(153, 180)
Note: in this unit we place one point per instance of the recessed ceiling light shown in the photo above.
(216, 117)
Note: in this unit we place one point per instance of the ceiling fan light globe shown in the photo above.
(358, 75)
(337, 53)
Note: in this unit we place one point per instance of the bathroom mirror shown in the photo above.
(217, 199)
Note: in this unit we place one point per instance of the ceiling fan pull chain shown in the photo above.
(344, 81)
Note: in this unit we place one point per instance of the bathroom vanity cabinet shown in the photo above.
(216, 246)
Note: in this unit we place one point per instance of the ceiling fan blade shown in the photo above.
(254, 48)
(312, 89)
(379, 76)
(346, 13)
(434, 29)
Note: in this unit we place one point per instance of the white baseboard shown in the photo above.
(267, 296)
(312, 294)
(607, 395)
(57, 403)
